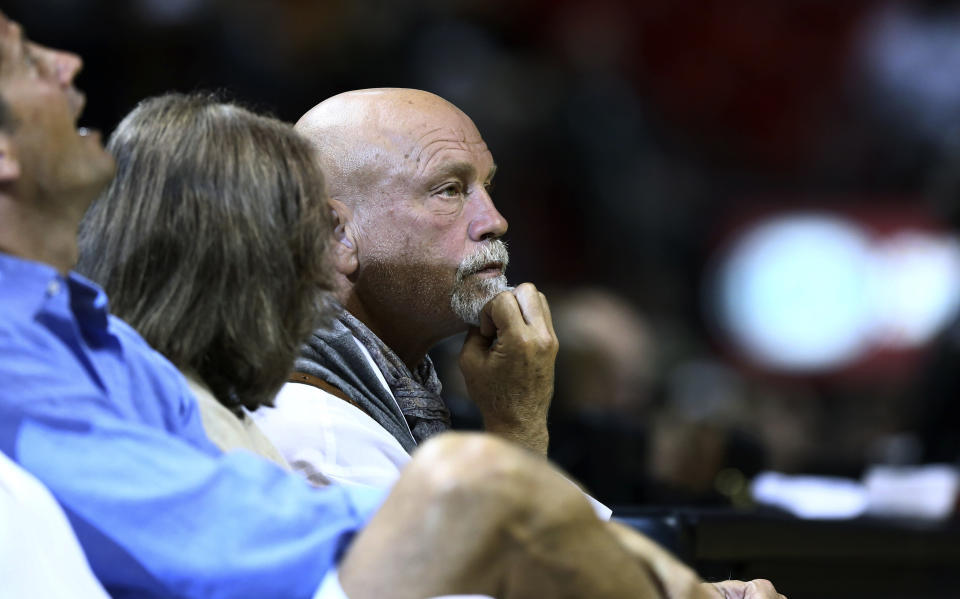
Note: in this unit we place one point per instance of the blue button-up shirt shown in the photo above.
(110, 427)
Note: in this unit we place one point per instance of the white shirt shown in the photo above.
(39, 554)
(331, 441)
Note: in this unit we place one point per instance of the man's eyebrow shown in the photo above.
(460, 170)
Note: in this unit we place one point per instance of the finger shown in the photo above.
(487, 328)
(503, 313)
(727, 589)
(760, 589)
(475, 345)
(545, 308)
(530, 306)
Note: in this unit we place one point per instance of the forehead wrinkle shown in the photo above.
(427, 133)
(455, 136)
(432, 151)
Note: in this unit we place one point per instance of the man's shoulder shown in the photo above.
(35, 333)
(134, 345)
(45, 360)
(139, 354)
(39, 370)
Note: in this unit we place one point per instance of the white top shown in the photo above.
(228, 432)
(39, 554)
(331, 441)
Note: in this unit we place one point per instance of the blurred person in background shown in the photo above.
(631, 438)
(702, 447)
(604, 391)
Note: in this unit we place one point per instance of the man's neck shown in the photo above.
(407, 337)
(37, 235)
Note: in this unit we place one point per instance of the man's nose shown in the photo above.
(487, 223)
(67, 65)
(60, 64)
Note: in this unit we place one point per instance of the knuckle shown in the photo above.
(527, 288)
(547, 343)
(524, 338)
(496, 301)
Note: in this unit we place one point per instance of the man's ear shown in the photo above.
(345, 258)
(9, 163)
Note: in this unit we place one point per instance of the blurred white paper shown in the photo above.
(814, 497)
(928, 492)
(923, 492)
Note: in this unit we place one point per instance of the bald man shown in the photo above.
(419, 257)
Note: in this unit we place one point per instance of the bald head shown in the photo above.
(364, 137)
(408, 176)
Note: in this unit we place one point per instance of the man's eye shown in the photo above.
(450, 191)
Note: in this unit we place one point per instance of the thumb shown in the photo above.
(475, 346)
(487, 327)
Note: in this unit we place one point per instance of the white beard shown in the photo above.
(469, 295)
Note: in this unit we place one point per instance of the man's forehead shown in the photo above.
(422, 131)
(402, 131)
(437, 146)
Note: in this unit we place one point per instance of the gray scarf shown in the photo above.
(332, 355)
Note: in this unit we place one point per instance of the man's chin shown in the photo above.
(89, 185)
(468, 299)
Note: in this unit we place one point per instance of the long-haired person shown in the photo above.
(210, 242)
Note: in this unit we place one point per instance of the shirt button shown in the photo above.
(53, 288)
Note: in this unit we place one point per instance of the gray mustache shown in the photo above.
(493, 251)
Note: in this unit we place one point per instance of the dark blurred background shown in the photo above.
(744, 212)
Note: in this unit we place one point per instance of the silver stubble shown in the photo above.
(470, 295)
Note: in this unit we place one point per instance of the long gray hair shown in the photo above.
(211, 241)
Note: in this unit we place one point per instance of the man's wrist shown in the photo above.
(532, 434)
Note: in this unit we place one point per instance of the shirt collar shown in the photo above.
(28, 286)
